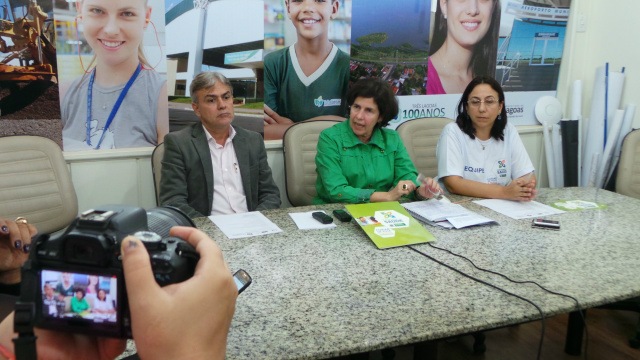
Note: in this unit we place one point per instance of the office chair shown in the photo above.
(35, 183)
(628, 183)
(299, 144)
(420, 137)
(628, 180)
(156, 168)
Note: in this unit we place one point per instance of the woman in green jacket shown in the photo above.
(358, 161)
(78, 302)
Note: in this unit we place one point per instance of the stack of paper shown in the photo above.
(445, 214)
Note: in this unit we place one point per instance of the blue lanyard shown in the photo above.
(116, 106)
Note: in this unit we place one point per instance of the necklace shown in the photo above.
(484, 143)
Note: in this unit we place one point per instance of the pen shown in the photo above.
(421, 178)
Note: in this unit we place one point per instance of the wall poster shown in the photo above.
(288, 61)
(28, 70)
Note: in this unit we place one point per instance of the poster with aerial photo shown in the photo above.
(28, 71)
(390, 40)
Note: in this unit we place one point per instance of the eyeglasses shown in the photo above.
(488, 102)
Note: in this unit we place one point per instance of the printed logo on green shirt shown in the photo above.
(331, 102)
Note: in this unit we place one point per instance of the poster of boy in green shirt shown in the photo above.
(310, 78)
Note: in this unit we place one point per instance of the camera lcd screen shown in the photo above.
(80, 297)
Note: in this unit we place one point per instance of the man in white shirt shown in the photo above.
(213, 167)
(49, 301)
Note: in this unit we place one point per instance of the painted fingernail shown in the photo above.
(5, 229)
(26, 248)
(129, 244)
(18, 244)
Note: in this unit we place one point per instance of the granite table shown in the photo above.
(325, 293)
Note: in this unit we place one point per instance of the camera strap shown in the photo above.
(24, 317)
(25, 343)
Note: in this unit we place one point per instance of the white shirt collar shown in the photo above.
(232, 134)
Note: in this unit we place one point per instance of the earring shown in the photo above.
(157, 41)
(499, 117)
(445, 16)
(75, 25)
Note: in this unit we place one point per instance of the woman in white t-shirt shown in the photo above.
(102, 305)
(481, 155)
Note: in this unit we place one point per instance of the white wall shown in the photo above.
(609, 36)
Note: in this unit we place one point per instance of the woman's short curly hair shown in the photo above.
(83, 291)
(381, 93)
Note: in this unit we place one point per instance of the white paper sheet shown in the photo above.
(471, 219)
(243, 225)
(305, 221)
(576, 100)
(548, 151)
(594, 143)
(519, 209)
(612, 141)
(435, 210)
(443, 224)
(445, 214)
(558, 161)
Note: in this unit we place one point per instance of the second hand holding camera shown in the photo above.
(75, 283)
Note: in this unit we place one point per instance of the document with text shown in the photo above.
(445, 214)
(519, 209)
(243, 225)
(305, 221)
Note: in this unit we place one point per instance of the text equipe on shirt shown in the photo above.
(474, 170)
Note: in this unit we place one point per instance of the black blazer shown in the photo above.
(187, 172)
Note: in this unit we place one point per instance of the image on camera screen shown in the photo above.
(79, 296)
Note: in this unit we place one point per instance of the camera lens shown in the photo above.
(163, 218)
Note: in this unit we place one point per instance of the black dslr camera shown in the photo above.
(75, 282)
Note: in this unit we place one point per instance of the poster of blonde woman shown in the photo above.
(113, 91)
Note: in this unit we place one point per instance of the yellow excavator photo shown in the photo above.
(27, 41)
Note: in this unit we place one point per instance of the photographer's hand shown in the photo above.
(52, 345)
(187, 320)
(15, 241)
